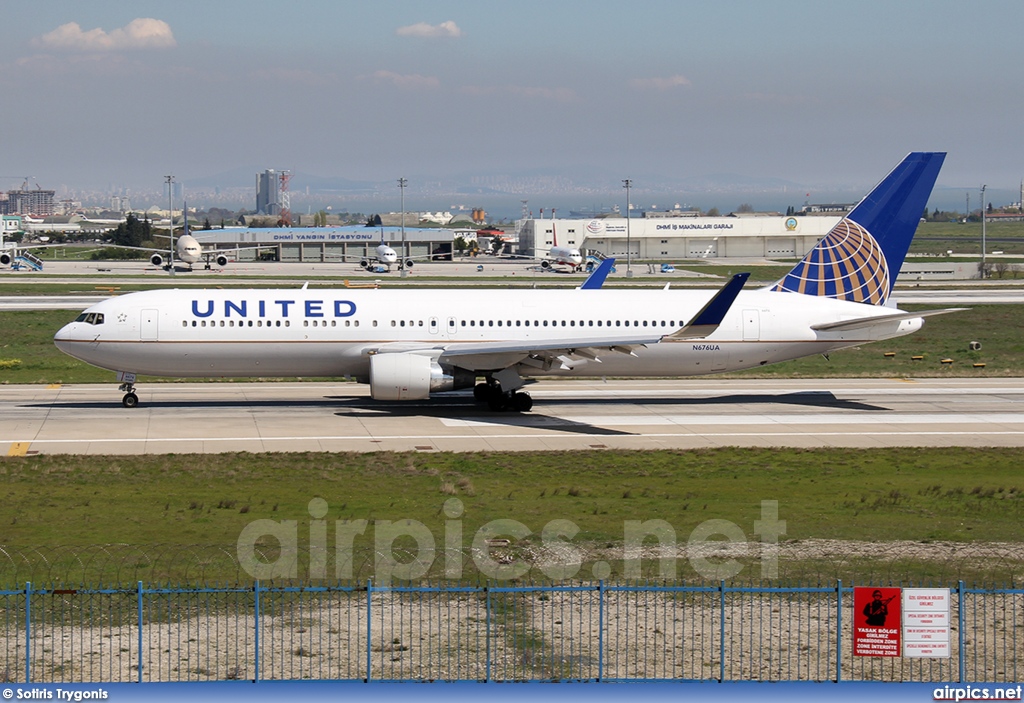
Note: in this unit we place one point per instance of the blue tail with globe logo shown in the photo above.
(862, 255)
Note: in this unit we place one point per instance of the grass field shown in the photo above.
(28, 340)
(160, 505)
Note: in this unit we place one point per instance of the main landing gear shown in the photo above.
(499, 400)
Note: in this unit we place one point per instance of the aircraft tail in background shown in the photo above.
(860, 258)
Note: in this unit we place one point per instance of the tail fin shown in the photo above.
(862, 255)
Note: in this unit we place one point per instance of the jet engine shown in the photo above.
(222, 260)
(409, 263)
(404, 376)
(156, 260)
(365, 263)
(5, 259)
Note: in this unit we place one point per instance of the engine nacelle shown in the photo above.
(156, 260)
(222, 260)
(409, 263)
(545, 264)
(5, 259)
(365, 263)
(405, 376)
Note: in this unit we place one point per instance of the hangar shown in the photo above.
(331, 244)
(671, 238)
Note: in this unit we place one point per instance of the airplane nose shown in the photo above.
(63, 336)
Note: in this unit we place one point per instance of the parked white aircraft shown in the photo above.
(562, 255)
(408, 344)
(189, 250)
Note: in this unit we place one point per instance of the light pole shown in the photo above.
(983, 230)
(627, 183)
(405, 254)
(170, 219)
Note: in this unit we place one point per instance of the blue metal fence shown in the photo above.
(582, 632)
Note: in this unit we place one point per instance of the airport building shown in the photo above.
(673, 238)
(10, 224)
(333, 244)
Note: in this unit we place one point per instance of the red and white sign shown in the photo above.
(876, 622)
(926, 622)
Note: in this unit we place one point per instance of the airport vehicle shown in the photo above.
(409, 344)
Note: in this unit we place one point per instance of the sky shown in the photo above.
(811, 91)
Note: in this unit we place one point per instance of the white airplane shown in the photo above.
(562, 256)
(188, 250)
(409, 344)
(383, 256)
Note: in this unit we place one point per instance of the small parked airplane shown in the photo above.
(188, 250)
(409, 344)
(562, 255)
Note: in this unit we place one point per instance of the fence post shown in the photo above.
(961, 619)
(487, 634)
(256, 629)
(839, 630)
(721, 635)
(369, 628)
(600, 630)
(140, 629)
(28, 632)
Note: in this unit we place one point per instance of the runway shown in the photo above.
(567, 415)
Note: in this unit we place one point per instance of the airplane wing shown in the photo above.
(865, 322)
(565, 352)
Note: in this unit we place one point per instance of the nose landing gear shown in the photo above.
(130, 400)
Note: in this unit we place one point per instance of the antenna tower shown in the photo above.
(286, 199)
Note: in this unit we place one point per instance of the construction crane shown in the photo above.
(24, 180)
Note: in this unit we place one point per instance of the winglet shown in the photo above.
(711, 315)
(596, 279)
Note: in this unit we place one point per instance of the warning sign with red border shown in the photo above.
(876, 622)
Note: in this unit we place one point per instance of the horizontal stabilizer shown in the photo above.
(865, 322)
(711, 315)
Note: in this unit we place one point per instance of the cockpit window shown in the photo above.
(90, 318)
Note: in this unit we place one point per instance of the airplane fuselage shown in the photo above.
(326, 332)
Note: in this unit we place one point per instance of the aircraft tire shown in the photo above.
(522, 402)
(481, 392)
(130, 400)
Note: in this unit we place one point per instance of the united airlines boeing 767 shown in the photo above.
(409, 344)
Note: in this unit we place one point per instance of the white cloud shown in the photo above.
(141, 33)
(431, 31)
(412, 80)
(666, 83)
